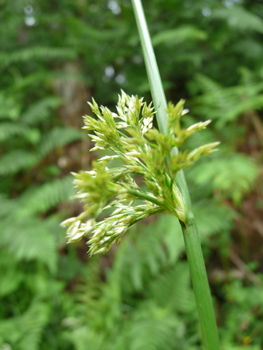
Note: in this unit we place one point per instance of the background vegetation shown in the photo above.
(54, 57)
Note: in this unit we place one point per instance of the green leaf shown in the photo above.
(40, 110)
(58, 137)
(42, 199)
(16, 160)
(29, 239)
(179, 35)
(38, 52)
(239, 18)
(24, 331)
(9, 130)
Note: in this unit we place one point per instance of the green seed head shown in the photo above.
(142, 151)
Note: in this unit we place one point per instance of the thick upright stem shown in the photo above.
(201, 287)
(191, 238)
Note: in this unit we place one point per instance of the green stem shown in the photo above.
(143, 196)
(157, 91)
(201, 287)
(191, 237)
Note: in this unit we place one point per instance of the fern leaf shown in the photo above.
(173, 239)
(24, 332)
(153, 331)
(42, 199)
(17, 160)
(251, 82)
(32, 80)
(83, 337)
(9, 130)
(37, 52)
(216, 100)
(212, 218)
(7, 206)
(179, 35)
(226, 104)
(40, 110)
(239, 18)
(29, 239)
(34, 321)
(172, 289)
(233, 175)
(248, 47)
(144, 255)
(58, 137)
(254, 103)
(10, 109)
(11, 279)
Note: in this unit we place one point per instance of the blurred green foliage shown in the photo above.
(54, 57)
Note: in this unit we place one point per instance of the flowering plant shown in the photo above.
(142, 150)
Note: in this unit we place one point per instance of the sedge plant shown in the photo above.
(189, 229)
(114, 201)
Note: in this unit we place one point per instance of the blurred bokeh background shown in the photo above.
(55, 55)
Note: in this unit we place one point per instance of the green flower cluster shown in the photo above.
(141, 150)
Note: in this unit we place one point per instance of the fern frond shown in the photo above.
(24, 332)
(172, 238)
(251, 82)
(154, 328)
(253, 103)
(40, 110)
(85, 338)
(29, 239)
(85, 30)
(145, 255)
(172, 289)
(217, 101)
(239, 18)
(14, 161)
(212, 218)
(42, 199)
(17, 160)
(244, 299)
(58, 137)
(7, 205)
(234, 175)
(10, 109)
(37, 52)
(33, 323)
(151, 321)
(11, 279)
(226, 104)
(179, 35)
(8, 130)
(248, 47)
(32, 81)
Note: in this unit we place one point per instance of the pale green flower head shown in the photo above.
(142, 151)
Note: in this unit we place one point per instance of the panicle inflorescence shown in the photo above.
(141, 150)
